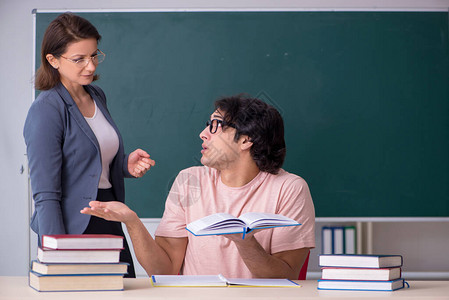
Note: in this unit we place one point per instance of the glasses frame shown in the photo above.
(86, 60)
(220, 123)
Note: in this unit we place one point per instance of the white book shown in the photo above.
(350, 240)
(187, 280)
(265, 282)
(82, 241)
(78, 256)
(217, 280)
(360, 285)
(77, 268)
(326, 240)
(360, 261)
(224, 223)
(338, 240)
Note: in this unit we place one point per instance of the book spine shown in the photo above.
(327, 240)
(350, 240)
(338, 240)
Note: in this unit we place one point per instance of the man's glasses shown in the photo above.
(215, 123)
(83, 62)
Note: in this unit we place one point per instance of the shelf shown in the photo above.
(381, 219)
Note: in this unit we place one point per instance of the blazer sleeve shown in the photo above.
(44, 135)
(125, 167)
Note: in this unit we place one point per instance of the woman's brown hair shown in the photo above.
(65, 29)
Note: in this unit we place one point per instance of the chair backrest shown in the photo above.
(303, 272)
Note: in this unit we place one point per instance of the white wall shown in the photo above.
(423, 246)
(16, 53)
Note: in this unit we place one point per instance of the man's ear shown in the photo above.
(52, 61)
(245, 142)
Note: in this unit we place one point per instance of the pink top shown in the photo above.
(199, 191)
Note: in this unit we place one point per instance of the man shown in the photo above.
(243, 151)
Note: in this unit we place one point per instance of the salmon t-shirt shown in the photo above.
(198, 192)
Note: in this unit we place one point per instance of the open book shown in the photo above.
(223, 223)
(217, 280)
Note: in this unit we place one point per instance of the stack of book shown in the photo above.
(86, 262)
(361, 272)
(338, 240)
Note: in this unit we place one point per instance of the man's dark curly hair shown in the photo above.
(262, 123)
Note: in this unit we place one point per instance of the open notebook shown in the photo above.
(217, 280)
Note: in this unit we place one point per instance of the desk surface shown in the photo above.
(140, 288)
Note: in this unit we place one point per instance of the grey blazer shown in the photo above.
(65, 163)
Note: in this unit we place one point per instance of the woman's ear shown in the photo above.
(52, 61)
(245, 142)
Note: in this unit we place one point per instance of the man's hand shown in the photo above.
(163, 256)
(111, 211)
(286, 264)
(238, 237)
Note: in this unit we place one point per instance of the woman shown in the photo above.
(74, 149)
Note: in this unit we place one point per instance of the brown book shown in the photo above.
(88, 282)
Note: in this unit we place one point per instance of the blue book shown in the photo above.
(361, 285)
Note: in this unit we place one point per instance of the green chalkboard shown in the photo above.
(364, 96)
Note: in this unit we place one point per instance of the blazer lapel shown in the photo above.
(76, 114)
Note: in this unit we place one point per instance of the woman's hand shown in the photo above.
(139, 162)
(111, 211)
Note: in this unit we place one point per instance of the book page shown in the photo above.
(188, 280)
(215, 221)
(272, 282)
(257, 219)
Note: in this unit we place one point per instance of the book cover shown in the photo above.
(223, 223)
(327, 242)
(87, 282)
(350, 240)
(360, 261)
(78, 256)
(360, 273)
(84, 268)
(82, 241)
(338, 240)
(360, 285)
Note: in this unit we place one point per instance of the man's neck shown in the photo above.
(239, 175)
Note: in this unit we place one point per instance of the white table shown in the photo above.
(17, 288)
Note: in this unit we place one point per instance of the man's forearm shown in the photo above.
(260, 263)
(149, 254)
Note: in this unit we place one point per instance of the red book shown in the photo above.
(82, 241)
(361, 273)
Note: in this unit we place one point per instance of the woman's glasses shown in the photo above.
(83, 62)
